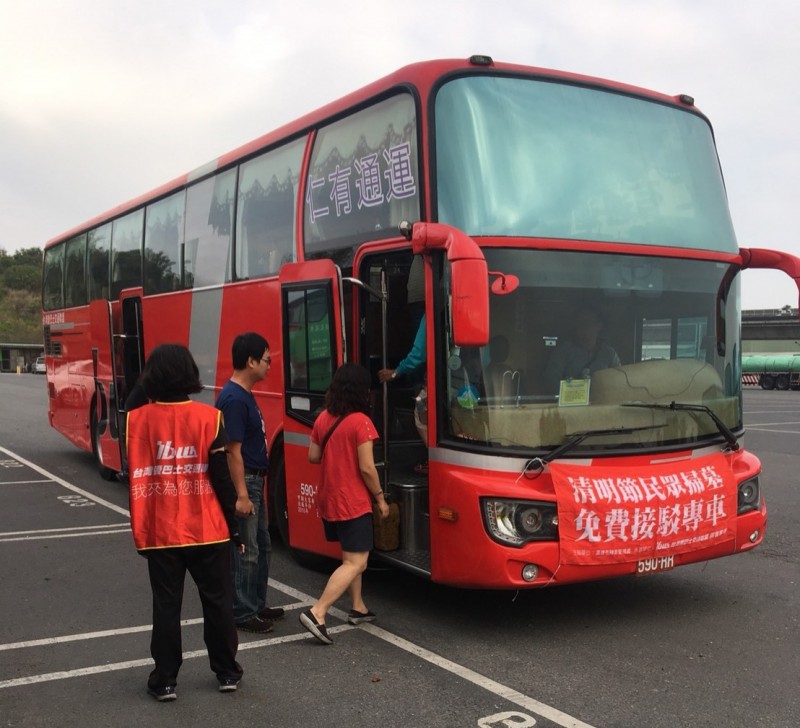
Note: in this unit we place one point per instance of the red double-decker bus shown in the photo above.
(540, 203)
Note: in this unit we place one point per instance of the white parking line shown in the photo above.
(62, 530)
(503, 691)
(23, 482)
(65, 484)
(49, 641)
(69, 532)
(534, 706)
(770, 424)
(148, 662)
(767, 429)
(545, 711)
(125, 530)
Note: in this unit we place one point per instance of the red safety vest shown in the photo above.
(172, 502)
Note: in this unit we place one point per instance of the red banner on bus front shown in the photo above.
(606, 515)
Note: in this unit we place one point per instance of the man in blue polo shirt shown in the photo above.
(248, 464)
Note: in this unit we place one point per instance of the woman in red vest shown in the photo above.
(182, 515)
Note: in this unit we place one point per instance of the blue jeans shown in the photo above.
(251, 569)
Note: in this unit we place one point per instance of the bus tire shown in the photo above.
(782, 382)
(105, 472)
(767, 381)
(281, 511)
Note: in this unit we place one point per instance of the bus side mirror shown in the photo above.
(772, 260)
(469, 277)
(470, 293)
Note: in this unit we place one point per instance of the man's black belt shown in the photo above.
(259, 473)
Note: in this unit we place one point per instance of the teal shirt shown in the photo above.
(419, 351)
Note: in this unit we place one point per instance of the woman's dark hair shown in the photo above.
(349, 390)
(247, 346)
(170, 373)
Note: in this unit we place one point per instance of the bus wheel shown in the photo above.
(782, 382)
(281, 514)
(767, 381)
(105, 473)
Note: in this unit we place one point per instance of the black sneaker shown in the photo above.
(308, 620)
(229, 685)
(255, 624)
(163, 695)
(271, 613)
(360, 617)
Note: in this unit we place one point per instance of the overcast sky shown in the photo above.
(103, 100)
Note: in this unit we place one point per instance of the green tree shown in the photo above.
(20, 296)
(22, 277)
(20, 317)
(29, 256)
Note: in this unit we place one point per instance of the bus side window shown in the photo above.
(266, 232)
(75, 272)
(126, 252)
(266, 211)
(97, 261)
(54, 278)
(208, 230)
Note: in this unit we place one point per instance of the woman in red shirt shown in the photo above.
(347, 484)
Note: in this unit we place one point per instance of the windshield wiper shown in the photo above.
(722, 428)
(576, 439)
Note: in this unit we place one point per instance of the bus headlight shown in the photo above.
(749, 496)
(515, 522)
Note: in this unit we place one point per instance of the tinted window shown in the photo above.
(163, 243)
(363, 179)
(266, 212)
(53, 277)
(590, 341)
(97, 261)
(75, 272)
(126, 252)
(209, 225)
(523, 157)
(310, 357)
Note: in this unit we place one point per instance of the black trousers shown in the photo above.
(210, 568)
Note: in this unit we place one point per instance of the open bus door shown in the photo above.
(313, 346)
(117, 359)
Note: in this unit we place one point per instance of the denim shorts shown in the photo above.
(355, 535)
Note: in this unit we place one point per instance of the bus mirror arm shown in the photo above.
(427, 236)
(469, 279)
(374, 292)
(773, 260)
(504, 284)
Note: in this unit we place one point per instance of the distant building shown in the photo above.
(18, 355)
(770, 331)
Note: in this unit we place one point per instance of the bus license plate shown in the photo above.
(653, 566)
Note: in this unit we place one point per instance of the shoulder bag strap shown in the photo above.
(329, 433)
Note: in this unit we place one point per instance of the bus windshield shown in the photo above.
(584, 336)
(524, 157)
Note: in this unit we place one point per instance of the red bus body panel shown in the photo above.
(463, 554)
(81, 349)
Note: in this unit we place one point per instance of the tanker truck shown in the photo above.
(772, 371)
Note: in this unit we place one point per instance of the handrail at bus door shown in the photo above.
(383, 297)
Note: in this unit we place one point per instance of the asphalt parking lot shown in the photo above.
(69, 537)
(709, 645)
